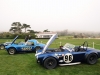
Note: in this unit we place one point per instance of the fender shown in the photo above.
(48, 57)
(11, 47)
(87, 54)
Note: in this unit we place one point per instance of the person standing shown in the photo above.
(26, 38)
(29, 37)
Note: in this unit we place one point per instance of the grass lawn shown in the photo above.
(25, 63)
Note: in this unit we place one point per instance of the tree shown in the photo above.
(16, 27)
(25, 26)
(75, 36)
(63, 33)
(46, 30)
(81, 35)
(31, 31)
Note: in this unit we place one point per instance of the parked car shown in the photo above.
(2, 46)
(69, 54)
(29, 46)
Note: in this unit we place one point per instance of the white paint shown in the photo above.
(49, 42)
(69, 56)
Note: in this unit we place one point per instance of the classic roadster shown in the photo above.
(29, 46)
(69, 54)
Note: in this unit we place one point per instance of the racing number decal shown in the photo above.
(68, 58)
(27, 48)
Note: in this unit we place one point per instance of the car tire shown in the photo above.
(11, 51)
(92, 59)
(37, 48)
(50, 63)
(2, 47)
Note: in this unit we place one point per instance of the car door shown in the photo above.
(78, 56)
(29, 46)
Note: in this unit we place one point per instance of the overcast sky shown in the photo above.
(54, 15)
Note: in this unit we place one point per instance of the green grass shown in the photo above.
(25, 63)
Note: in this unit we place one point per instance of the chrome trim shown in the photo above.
(70, 64)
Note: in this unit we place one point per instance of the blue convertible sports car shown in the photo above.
(69, 54)
(30, 46)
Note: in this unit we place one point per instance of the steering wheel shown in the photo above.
(84, 46)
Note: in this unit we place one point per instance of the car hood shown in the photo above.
(49, 42)
(14, 39)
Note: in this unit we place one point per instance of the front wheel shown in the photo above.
(2, 47)
(92, 59)
(50, 63)
(11, 51)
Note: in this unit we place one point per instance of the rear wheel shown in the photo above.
(50, 63)
(12, 51)
(37, 48)
(2, 47)
(92, 59)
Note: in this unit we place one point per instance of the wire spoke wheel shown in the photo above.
(2, 47)
(11, 51)
(37, 48)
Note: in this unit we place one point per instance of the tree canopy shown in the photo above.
(46, 30)
(16, 27)
(25, 26)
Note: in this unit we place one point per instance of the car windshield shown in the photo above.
(29, 43)
(37, 42)
(69, 47)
